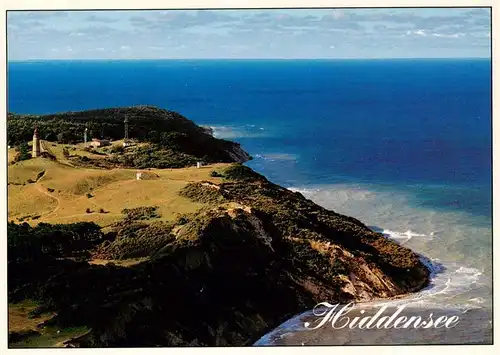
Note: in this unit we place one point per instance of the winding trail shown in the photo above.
(58, 200)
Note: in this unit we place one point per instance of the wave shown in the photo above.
(277, 156)
(232, 132)
(443, 239)
(405, 236)
(459, 280)
(446, 282)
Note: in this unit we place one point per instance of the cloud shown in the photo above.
(100, 18)
(418, 33)
(483, 12)
(423, 33)
(448, 35)
(24, 16)
(249, 33)
(176, 19)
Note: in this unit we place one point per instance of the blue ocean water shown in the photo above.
(420, 123)
(403, 145)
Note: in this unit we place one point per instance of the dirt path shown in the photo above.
(41, 189)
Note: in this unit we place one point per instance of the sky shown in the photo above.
(294, 33)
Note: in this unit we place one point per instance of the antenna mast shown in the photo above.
(126, 128)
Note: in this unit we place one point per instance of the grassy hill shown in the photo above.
(208, 256)
(65, 193)
(155, 278)
(56, 192)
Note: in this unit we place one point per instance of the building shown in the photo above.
(99, 142)
(36, 144)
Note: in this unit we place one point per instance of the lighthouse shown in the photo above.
(36, 144)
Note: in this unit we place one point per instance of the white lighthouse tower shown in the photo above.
(36, 144)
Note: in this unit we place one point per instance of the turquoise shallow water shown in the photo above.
(454, 245)
(403, 145)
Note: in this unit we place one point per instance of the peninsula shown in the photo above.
(137, 244)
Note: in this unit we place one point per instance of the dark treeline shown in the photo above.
(33, 252)
(147, 124)
(55, 240)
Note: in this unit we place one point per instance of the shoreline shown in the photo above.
(309, 253)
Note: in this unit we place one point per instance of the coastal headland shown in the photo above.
(134, 245)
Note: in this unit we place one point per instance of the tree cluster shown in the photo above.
(165, 129)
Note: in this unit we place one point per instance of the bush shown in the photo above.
(141, 213)
(216, 174)
(96, 152)
(134, 240)
(116, 149)
(198, 192)
(241, 172)
(25, 241)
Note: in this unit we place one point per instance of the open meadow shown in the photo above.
(42, 190)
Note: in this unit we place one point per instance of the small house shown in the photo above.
(99, 142)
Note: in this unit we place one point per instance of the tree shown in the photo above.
(24, 152)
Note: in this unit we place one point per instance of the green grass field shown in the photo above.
(66, 194)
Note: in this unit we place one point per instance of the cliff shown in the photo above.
(256, 255)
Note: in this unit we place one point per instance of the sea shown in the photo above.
(404, 145)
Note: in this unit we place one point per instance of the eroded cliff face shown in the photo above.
(237, 154)
(258, 255)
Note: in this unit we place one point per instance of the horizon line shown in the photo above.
(225, 58)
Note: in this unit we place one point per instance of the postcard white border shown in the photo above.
(186, 4)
